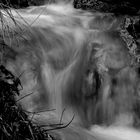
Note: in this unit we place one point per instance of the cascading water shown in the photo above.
(78, 64)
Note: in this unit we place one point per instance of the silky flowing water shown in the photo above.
(77, 65)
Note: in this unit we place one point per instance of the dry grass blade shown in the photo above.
(31, 132)
(38, 112)
(24, 97)
(62, 116)
(59, 126)
(43, 9)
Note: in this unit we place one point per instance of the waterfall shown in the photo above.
(77, 63)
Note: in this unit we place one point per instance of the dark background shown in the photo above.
(130, 7)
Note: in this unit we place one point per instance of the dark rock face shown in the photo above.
(129, 7)
(20, 3)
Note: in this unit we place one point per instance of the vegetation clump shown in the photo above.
(14, 121)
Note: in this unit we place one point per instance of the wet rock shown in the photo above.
(118, 7)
